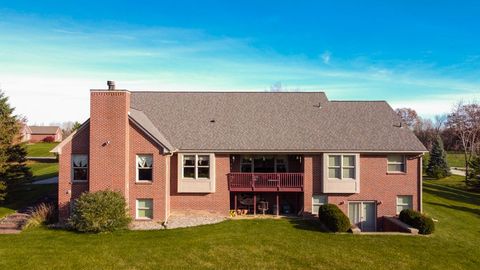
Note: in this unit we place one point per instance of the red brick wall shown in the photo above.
(218, 202)
(66, 189)
(109, 141)
(39, 137)
(140, 144)
(377, 185)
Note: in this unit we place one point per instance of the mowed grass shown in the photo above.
(27, 194)
(40, 149)
(43, 170)
(263, 244)
(454, 159)
(24, 196)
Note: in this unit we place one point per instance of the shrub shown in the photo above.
(42, 214)
(101, 211)
(49, 139)
(332, 217)
(423, 223)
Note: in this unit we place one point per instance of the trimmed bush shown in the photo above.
(101, 211)
(332, 217)
(419, 221)
(49, 139)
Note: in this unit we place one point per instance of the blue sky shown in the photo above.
(420, 54)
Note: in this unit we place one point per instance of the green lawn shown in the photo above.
(40, 149)
(27, 194)
(43, 170)
(24, 196)
(454, 159)
(264, 244)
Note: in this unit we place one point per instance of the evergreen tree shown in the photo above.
(437, 165)
(76, 126)
(13, 170)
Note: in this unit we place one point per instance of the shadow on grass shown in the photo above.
(475, 211)
(307, 224)
(452, 193)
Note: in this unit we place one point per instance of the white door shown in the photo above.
(363, 214)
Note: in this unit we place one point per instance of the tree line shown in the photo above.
(458, 130)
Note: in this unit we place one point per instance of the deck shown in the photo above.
(265, 182)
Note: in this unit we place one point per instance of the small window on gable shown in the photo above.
(80, 167)
(396, 163)
(144, 167)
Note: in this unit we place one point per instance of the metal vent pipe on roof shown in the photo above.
(111, 85)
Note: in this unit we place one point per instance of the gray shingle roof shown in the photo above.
(44, 129)
(143, 121)
(266, 121)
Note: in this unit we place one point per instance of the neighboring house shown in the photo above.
(282, 153)
(25, 133)
(42, 133)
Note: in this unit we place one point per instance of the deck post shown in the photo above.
(235, 198)
(254, 204)
(278, 204)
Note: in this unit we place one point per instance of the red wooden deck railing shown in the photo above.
(289, 182)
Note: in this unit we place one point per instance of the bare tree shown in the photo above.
(439, 123)
(464, 120)
(409, 116)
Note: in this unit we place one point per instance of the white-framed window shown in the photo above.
(317, 201)
(396, 163)
(144, 209)
(196, 166)
(404, 202)
(145, 167)
(342, 166)
(79, 168)
(196, 173)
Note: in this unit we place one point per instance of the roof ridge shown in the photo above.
(228, 92)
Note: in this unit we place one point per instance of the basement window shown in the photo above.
(404, 202)
(144, 209)
(80, 168)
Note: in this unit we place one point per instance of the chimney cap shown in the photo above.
(111, 85)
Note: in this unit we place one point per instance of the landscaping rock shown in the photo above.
(191, 220)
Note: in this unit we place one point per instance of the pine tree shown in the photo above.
(13, 170)
(437, 165)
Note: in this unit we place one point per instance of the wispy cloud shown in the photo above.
(52, 64)
(326, 57)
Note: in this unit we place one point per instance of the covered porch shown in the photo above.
(266, 184)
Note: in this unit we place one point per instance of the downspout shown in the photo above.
(167, 184)
(420, 177)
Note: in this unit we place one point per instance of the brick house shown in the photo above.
(35, 134)
(262, 152)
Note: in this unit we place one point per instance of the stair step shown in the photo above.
(10, 231)
(9, 226)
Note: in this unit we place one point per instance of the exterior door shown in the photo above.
(363, 214)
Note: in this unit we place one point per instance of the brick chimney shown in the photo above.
(109, 139)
